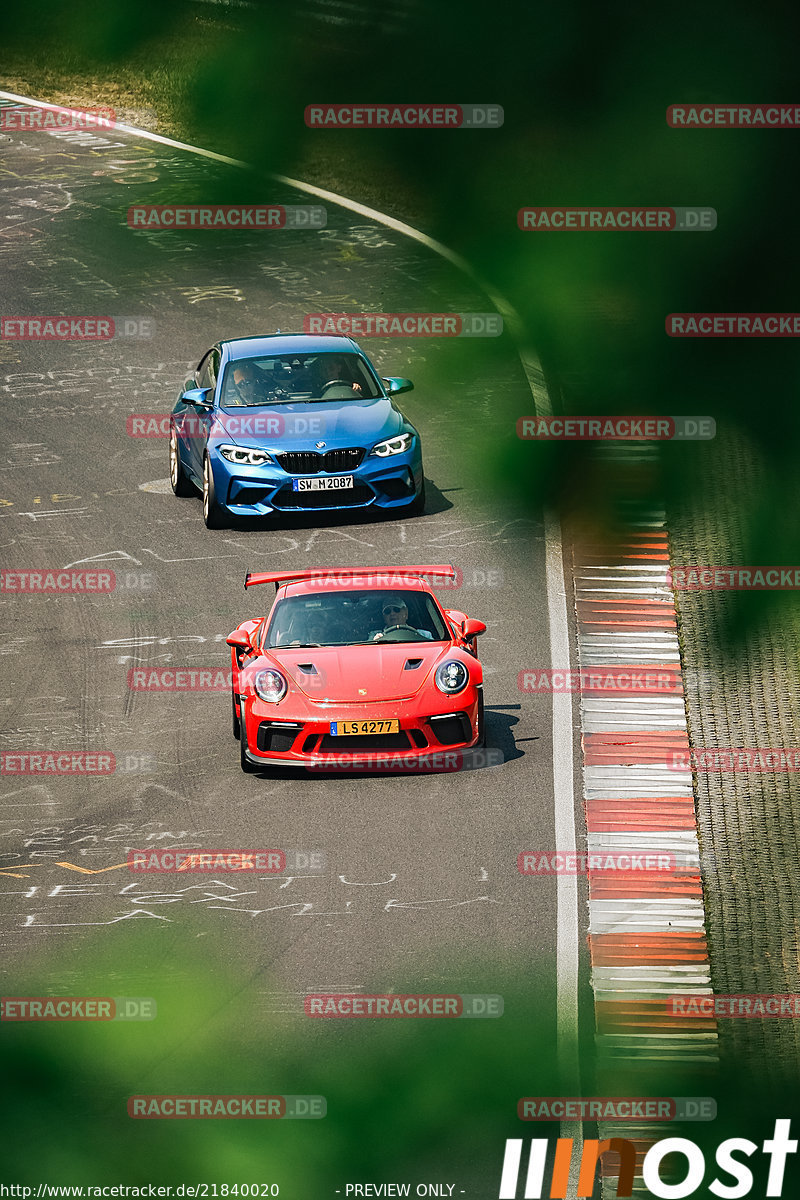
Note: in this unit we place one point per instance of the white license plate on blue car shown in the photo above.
(332, 483)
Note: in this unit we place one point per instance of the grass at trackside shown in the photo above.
(152, 90)
(146, 93)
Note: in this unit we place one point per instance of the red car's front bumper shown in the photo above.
(305, 740)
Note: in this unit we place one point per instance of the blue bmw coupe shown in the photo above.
(289, 423)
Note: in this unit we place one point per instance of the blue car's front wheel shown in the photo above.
(213, 514)
(179, 480)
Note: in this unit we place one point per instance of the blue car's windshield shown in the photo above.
(293, 378)
(342, 618)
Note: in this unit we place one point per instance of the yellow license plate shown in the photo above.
(353, 728)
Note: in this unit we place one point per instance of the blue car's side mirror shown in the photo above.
(394, 386)
(197, 397)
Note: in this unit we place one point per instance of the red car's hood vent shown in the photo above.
(360, 674)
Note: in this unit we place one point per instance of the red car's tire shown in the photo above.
(246, 765)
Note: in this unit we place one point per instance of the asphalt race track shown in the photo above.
(419, 880)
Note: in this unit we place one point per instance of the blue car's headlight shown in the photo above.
(244, 457)
(270, 686)
(451, 676)
(393, 445)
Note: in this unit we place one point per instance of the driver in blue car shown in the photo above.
(395, 616)
(250, 383)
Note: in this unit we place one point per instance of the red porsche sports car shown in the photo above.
(355, 668)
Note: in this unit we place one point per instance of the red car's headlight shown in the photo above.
(451, 676)
(270, 686)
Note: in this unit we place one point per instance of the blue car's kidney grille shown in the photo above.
(309, 462)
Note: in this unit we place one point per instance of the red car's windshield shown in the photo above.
(345, 618)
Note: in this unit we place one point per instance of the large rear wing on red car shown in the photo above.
(336, 574)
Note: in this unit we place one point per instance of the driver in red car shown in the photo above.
(395, 616)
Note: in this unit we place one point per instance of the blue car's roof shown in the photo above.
(287, 343)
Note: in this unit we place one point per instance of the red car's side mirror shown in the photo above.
(238, 638)
(473, 628)
(244, 636)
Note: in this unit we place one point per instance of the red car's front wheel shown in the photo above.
(246, 765)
